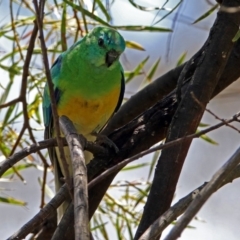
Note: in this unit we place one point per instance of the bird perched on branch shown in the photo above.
(88, 87)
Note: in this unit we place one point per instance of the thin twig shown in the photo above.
(18, 139)
(222, 120)
(10, 103)
(213, 114)
(45, 167)
(18, 156)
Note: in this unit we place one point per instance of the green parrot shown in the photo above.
(88, 87)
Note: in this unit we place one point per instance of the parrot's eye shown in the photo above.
(100, 42)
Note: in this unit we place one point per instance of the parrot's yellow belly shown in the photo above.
(89, 115)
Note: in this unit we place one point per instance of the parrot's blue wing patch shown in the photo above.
(47, 112)
(56, 68)
(47, 109)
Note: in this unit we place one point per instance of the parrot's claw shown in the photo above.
(104, 140)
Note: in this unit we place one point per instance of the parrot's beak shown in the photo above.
(111, 57)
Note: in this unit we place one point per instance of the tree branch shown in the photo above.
(210, 66)
(18, 156)
(204, 194)
(179, 208)
(44, 213)
(76, 146)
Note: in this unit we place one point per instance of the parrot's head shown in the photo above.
(105, 45)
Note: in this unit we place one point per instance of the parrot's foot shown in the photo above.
(104, 140)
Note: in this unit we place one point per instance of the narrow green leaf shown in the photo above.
(48, 190)
(103, 9)
(129, 228)
(208, 139)
(144, 8)
(5, 150)
(15, 116)
(137, 71)
(8, 115)
(13, 201)
(206, 14)
(133, 167)
(118, 227)
(171, 11)
(181, 59)
(87, 13)
(151, 73)
(134, 45)
(102, 228)
(142, 28)
(236, 37)
(5, 93)
(9, 37)
(14, 70)
(153, 163)
(203, 125)
(18, 167)
(142, 195)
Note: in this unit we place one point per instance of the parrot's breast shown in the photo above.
(89, 114)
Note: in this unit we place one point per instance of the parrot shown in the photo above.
(89, 86)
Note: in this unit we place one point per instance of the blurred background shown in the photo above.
(151, 52)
